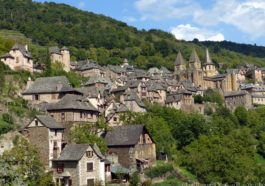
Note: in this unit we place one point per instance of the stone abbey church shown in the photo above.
(203, 75)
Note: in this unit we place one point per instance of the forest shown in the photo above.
(109, 41)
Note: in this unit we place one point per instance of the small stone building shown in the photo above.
(48, 89)
(78, 165)
(60, 55)
(133, 145)
(46, 134)
(238, 98)
(18, 58)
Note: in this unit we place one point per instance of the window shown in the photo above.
(36, 97)
(90, 182)
(55, 147)
(36, 123)
(55, 132)
(60, 167)
(62, 116)
(89, 154)
(114, 119)
(89, 167)
(53, 96)
(81, 115)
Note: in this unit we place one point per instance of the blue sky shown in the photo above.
(241, 21)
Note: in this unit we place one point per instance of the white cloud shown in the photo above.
(248, 16)
(81, 4)
(165, 9)
(188, 33)
(129, 19)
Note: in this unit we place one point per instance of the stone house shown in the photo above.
(133, 145)
(18, 58)
(156, 92)
(46, 134)
(60, 55)
(258, 99)
(78, 165)
(90, 68)
(48, 89)
(97, 81)
(115, 72)
(181, 100)
(238, 98)
(133, 102)
(113, 116)
(94, 95)
(72, 108)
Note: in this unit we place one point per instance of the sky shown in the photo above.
(241, 21)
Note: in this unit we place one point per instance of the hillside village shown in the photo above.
(110, 92)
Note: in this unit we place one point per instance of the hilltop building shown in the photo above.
(18, 58)
(204, 77)
(60, 55)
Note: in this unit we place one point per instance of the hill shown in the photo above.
(102, 38)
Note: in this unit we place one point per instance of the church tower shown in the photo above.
(180, 64)
(208, 66)
(194, 61)
(65, 58)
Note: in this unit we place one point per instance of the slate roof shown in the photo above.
(49, 122)
(180, 60)
(116, 69)
(97, 79)
(54, 50)
(194, 57)
(258, 96)
(235, 93)
(132, 96)
(208, 60)
(173, 98)
(74, 152)
(23, 50)
(125, 135)
(165, 70)
(88, 65)
(91, 92)
(50, 85)
(72, 102)
(7, 55)
(218, 77)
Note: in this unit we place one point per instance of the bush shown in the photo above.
(159, 171)
(198, 99)
(7, 118)
(134, 180)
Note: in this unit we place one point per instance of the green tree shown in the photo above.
(134, 180)
(23, 164)
(48, 66)
(2, 76)
(89, 133)
(241, 114)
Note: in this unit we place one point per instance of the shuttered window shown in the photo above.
(89, 167)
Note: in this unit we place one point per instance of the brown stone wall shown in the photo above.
(125, 156)
(146, 151)
(38, 136)
(71, 167)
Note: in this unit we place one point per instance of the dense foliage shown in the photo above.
(102, 38)
(21, 166)
(221, 149)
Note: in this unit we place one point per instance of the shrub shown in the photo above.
(134, 180)
(159, 171)
(7, 118)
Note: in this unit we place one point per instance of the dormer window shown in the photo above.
(89, 154)
(36, 123)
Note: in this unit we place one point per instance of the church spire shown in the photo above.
(180, 60)
(208, 59)
(194, 57)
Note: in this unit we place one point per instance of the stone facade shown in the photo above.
(77, 172)
(238, 98)
(18, 58)
(62, 56)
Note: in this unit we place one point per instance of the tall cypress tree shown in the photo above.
(48, 67)
(2, 77)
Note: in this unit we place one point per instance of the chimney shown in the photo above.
(29, 83)
(26, 47)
